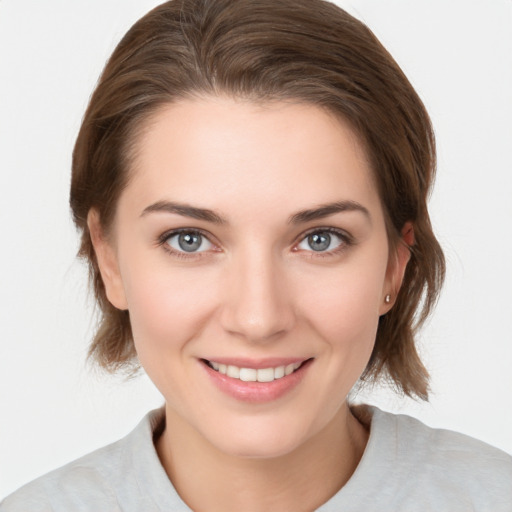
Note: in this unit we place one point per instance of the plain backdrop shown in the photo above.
(54, 407)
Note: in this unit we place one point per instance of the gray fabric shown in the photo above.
(406, 467)
(409, 467)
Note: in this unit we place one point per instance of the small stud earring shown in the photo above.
(387, 299)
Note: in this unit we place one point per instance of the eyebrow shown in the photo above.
(193, 212)
(325, 210)
(185, 210)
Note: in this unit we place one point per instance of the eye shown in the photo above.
(322, 241)
(188, 241)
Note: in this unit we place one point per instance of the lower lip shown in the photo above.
(257, 392)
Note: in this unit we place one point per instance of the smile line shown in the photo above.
(253, 374)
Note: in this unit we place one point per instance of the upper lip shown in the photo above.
(270, 362)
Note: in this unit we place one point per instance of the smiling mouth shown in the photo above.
(253, 374)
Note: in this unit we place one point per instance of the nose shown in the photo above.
(257, 302)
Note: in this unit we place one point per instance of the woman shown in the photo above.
(250, 180)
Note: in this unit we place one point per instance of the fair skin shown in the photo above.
(262, 276)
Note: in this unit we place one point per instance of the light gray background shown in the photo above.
(457, 53)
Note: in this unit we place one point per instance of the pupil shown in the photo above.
(189, 242)
(319, 242)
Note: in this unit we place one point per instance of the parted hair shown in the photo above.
(267, 50)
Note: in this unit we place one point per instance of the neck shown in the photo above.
(210, 480)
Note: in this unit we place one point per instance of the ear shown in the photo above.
(396, 268)
(107, 262)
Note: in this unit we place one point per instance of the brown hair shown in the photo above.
(306, 50)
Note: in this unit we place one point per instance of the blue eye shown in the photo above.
(189, 241)
(321, 241)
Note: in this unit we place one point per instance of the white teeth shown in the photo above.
(248, 374)
(278, 372)
(289, 369)
(233, 371)
(265, 374)
(254, 375)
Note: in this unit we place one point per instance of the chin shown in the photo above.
(257, 439)
(264, 449)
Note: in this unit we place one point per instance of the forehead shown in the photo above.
(219, 150)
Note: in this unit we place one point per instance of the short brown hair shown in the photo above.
(266, 50)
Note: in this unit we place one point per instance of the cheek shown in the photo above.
(344, 305)
(167, 306)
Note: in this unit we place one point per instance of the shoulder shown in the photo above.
(100, 480)
(446, 448)
(88, 479)
(410, 467)
(440, 466)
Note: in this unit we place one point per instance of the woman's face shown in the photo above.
(250, 243)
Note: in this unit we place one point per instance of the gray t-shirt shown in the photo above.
(406, 467)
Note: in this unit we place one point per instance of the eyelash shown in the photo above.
(164, 238)
(346, 242)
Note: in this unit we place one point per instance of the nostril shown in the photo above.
(256, 306)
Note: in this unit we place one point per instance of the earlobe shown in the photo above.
(396, 267)
(107, 262)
